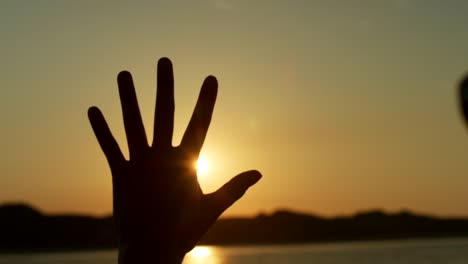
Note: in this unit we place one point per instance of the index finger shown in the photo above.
(195, 134)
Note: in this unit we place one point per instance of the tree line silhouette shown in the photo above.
(24, 228)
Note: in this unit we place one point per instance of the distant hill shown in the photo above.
(22, 228)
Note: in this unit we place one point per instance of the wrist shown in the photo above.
(149, 253)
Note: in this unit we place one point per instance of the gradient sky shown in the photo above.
(342, 105)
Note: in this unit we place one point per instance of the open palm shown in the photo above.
(158, 203)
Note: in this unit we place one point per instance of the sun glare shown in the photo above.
(201, 166)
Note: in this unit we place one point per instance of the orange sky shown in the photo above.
(341, 106)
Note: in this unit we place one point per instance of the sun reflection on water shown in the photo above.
(201, 254)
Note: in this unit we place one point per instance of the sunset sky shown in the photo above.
(342, 105)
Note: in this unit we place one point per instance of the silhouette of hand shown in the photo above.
(464, 97)
(159, 207)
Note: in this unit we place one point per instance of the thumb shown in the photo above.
(230, 192)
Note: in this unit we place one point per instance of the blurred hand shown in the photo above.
(464, 97)
(159, 207)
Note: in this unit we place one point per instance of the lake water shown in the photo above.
(440, 251)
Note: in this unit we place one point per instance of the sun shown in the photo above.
(202, 166)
